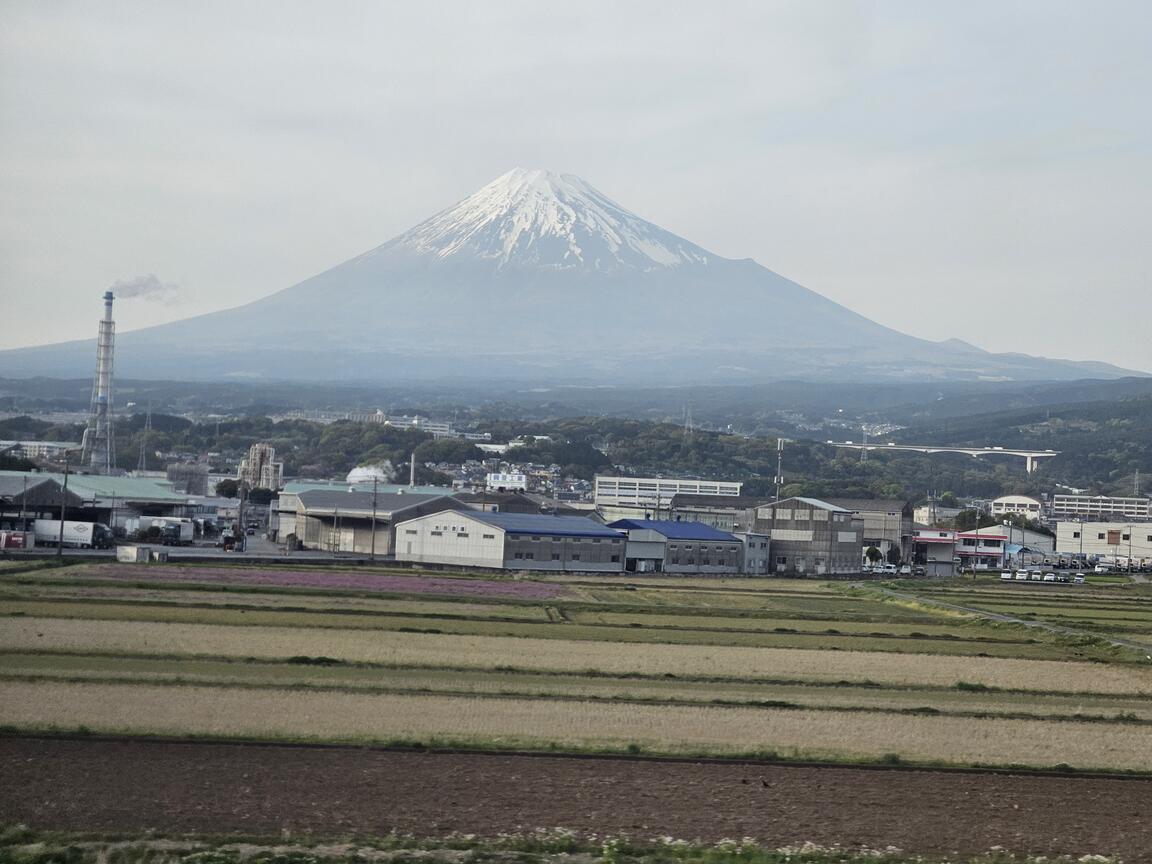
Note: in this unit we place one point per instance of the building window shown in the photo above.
(536, 539)
(518, 555)
(555, 556)
(488, 536)
(1100, 536)
(1075, 534)
(409, 531)
(462, 536)
(529, 554)
(437, 533)
(781, 560)
(615, 559)
(1125, 536)
(596, 540)
(576, 557)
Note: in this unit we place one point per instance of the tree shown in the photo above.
(893, 554)
(261, 496)
(948, 499)
(966, 520)
(873, 555)
(228, 489)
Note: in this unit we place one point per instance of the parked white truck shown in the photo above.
(83, 535)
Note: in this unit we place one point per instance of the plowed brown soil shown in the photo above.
(200, 788)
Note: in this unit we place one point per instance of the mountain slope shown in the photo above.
(540, 276)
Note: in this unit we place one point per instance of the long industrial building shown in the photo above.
(653, 493)
(513, 541)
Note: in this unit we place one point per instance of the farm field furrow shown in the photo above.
(632, 633)
(268, 600)
(352, 717)
(73, 667)
(444, 650)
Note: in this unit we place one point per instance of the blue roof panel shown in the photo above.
(674, 530)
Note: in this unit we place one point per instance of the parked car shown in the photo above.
(1049, 577)
(1021, 575)
(889, 569)
(1102, 568)
(905, 569)
(1006, 576)
(919, 571)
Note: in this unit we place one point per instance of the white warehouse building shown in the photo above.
(628, 496)
(514, 541)
(1108, 540)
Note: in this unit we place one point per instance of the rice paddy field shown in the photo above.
(775, 669)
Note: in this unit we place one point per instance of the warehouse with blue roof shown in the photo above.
(673, 546)
(511, 541)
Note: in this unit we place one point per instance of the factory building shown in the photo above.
(887, 525)
(625, 497)
(668, 546)
(810, 537)
(364, 522)
(1111, 541)
(259, 469)
(510, 541)
(1102, 508)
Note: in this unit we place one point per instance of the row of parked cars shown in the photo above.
(893, 569)
(1040, 576)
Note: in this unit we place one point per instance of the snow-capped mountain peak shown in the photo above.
(539, 219)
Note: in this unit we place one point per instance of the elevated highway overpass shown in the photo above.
(1030, 456)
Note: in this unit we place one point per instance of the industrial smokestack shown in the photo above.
(412, 470)
(98, 442)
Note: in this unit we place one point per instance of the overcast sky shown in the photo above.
(977, 170)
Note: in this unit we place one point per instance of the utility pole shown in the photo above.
(63, 509)
(779, 466)
(375, 483)
(23, 500)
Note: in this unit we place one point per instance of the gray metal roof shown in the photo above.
(102, 487)
(12, 485)
(330, 501)
(870, 505)
(814, 502)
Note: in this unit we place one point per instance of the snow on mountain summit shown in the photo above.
(535, 218)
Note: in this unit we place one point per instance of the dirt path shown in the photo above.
(99, 785)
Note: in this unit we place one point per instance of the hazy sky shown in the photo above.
(979, 170)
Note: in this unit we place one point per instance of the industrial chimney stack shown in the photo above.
(98, 443)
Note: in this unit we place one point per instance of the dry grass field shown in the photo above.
(513, 722)
(482, 652)
(799, 669)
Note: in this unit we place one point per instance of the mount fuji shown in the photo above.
(539, 276)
